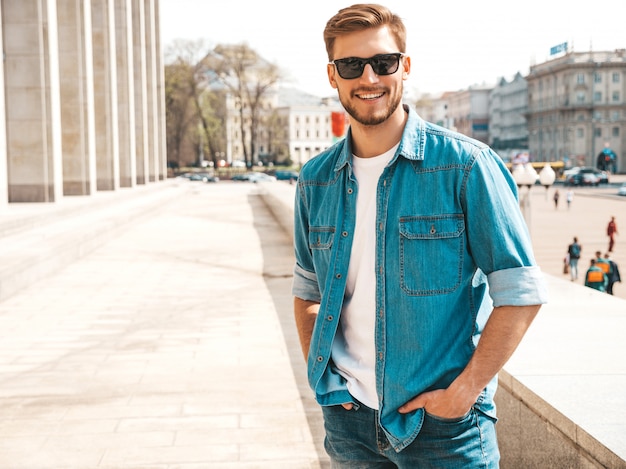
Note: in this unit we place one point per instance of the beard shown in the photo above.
(375, 117)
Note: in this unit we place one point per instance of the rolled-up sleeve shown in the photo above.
(519, 286)
(305, 285)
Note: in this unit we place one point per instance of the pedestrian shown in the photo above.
(396, 347)
(573, 254)
(611, 231)
(595, 277)
(569, 197)
(556, 199)
(613, 276)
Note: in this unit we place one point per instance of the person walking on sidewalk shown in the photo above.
(569, 197)
(611, 231)
(573, 253)
(398, 350)
(613, 276)
(556, 199)
(595, 277)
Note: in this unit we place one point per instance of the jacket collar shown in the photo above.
(411, 145)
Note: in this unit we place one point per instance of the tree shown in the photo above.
(248, 78)
(194, 112)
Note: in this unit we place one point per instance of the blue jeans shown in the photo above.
(355, 441)
(573, 268)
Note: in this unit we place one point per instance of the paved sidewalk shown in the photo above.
(171, 346)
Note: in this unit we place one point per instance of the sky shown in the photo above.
(453, 44)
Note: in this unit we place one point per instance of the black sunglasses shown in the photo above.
(382, 64)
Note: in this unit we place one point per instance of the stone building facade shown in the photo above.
(577, 107)
(82, 105)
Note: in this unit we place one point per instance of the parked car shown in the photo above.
(622, 189)
(240, 177)
(253, 176)
(284, 175)
(585, 176)
(202, 176)
(260, 177)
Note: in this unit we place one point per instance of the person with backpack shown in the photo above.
(573, 253)
(595, 277)
(603, 263)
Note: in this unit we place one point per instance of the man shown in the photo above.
(573, 251)
(410, 247)
(611, 231)
(613, 275)
(603, 264)
(595, 277)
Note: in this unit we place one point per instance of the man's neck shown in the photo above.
(373, 140)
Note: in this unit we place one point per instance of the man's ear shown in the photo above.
(406, 64)
(330, 69)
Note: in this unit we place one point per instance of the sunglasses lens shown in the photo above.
(382, 64)
(385, 64)
(350, 68)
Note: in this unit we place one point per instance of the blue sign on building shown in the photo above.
(559, 48)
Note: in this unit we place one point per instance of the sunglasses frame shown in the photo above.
(363, 62)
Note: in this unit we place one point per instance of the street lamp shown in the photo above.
(547, 177)
(525, 177)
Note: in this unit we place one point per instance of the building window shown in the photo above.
(580, 78)
(615, 132)
(580, 98)
(580, 132)
(597, 132)
(615, 96)
(597, 78)
(597, 96)
(615, 77)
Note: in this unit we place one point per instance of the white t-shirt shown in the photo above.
(354, 351)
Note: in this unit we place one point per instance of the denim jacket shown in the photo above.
(451, 244)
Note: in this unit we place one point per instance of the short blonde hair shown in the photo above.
(360, 17)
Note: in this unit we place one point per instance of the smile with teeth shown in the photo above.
(370, 95)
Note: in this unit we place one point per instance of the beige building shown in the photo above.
(577, 107)
(82, 101)
(302, 130)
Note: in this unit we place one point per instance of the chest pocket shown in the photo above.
(320, 244)
(431, 254)
(321, 237)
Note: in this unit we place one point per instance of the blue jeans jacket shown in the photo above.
(451, 244)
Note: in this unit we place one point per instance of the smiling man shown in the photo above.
(415, 278)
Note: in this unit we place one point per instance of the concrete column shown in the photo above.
(33, 116)
(4, 181)
(125, 92)
(105, 94)
(141, 101)
(151, 89)
(77, 98)
(162, 131)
